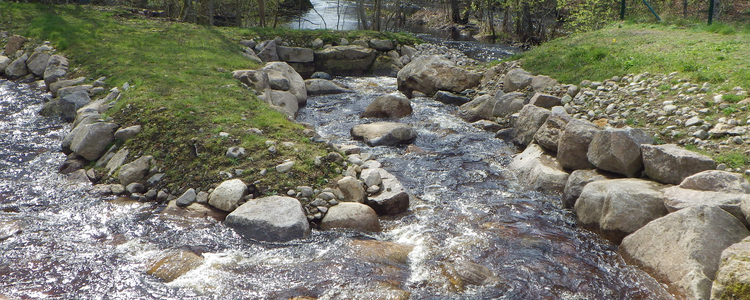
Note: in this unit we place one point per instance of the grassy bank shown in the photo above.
(182, 91)
(715, 54)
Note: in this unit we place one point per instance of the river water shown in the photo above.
(469, 216)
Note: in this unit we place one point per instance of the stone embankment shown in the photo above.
(669, 209)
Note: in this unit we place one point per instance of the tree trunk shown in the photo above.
(262, 12)
(455, 12)
(378, 6)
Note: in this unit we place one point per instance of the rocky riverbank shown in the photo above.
(621, 183)
(671, 211)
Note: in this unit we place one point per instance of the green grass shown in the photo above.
(713, 54)
(182, 91)
(733, 159)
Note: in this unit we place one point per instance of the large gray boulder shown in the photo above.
(384, 133)
(732, 278)
(57, 68)
(344, 60)
(615, 208)
(352, 189)
(392, 198)
(676, 198)
(429, 74)
(324, 87)
(516, 79)
(717, 181)
(135, 171)
(573, 147)
(37, 63)
(381, 45)
(538, 170)
(671, 163)
(619, 150)
(296, 83)
(683, 249)
(577, 180)
(488, 107)
(284, 102)
(228, 195)
(530, 119)
(57, 85)
(91, 140)
(18, 67)
(270, 219)
(548, 136)
(295, 54)
(388, 106)
(351, 215)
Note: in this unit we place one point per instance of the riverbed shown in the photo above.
(469, 217)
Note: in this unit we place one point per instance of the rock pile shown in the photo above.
(672, 212)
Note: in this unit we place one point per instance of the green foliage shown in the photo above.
(736, 291)
(733, 159)
(732, 98)
(635, 48)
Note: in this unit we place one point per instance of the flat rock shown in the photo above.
(351, 215)
(618, 150)
(683, 249)
(450, 98)
(174, 264)
(717, 181)
(671, 163)
(617, 207)
(270, 219)
(324, 87)
(228, 195)
(677, 198)
(538, 170)
(295, 54)
(392, 198)
(384, 133)
(545, 100)
(344, 60)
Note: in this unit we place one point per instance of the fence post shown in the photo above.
(622, 10)
(710, 11)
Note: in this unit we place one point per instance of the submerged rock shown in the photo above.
(384, 133)
(174, 264)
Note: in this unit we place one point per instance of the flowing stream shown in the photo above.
(471, 232)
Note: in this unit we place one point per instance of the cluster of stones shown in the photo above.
(359, 57)
(676, 109)
(669, 209)
(354, 202)
(70, 99)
